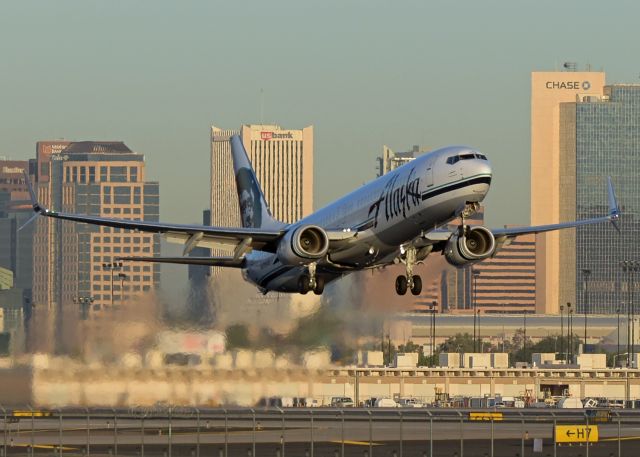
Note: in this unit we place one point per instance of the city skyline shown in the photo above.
(359, 88)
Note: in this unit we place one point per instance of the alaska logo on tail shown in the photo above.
(254, 211)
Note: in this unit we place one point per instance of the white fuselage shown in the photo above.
(386, 213)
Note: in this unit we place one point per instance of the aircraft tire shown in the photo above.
(304, 284)
(417, 285)
(401, 285)
(319, 288)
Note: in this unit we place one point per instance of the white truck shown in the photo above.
(570, 402)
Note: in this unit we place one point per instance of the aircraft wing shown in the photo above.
(438, 236)
(613, 217)
(241, 240)
(230, 262)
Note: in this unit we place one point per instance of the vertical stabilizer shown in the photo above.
(254, 211)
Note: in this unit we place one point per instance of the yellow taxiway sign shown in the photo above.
(21, 413)
(485, 416)
(576, 433)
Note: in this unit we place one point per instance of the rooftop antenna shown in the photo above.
(570, 66)
(261, 106)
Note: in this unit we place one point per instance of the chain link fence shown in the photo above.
(314, 432)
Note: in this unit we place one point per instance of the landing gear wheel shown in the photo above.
(304, 284)
(319, 288)
(401, 285)
(416, 287)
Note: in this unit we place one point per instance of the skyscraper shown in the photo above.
(506, 283)
(100, 179)
(15, 210)
(599, 137)
(548, 91)
(390, 160)
(224, 206)
(16, 249)
(283, 162)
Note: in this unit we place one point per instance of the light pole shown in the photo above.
(432, 308)
(85, 303)
(585, 273)
(635, 266)
(618, 332)
(571, 332)
(629, 267)
(625, 267)
(524, 340)
(569, 348)
(561, 331)
(475, 274)
(479, 334)
(115, 266)
(122, 277)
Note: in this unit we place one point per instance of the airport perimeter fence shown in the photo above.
(318, 432)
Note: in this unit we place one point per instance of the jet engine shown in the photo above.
(477, 243)
(303, 245)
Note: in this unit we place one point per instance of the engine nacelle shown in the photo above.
(477, 244)
(303, 245)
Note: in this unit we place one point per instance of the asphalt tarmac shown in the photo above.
(323, 433)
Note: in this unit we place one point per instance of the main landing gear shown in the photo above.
(310, 281)
(409, 281)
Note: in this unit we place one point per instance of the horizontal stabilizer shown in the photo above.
(229, 262)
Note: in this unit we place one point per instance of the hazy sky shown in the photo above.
(156, 74)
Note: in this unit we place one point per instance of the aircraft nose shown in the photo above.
(485, 168)
(479, 166)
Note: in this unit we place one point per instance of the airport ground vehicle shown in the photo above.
(386, 403)
(410, 403)
(570, 402)
(342, 402)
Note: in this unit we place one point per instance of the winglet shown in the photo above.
(614, 209)
(34, 200)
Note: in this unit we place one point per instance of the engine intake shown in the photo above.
(303, 245)
(476, 244)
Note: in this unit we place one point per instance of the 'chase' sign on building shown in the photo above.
(573, 85)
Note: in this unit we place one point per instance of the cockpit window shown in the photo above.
(476, 155)
(473, 155)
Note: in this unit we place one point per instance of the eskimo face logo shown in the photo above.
(249, 199)
(586, 85)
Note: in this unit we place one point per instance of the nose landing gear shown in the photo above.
(409, 281)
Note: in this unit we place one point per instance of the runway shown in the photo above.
(306, 432)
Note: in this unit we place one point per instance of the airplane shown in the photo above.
(399, 218)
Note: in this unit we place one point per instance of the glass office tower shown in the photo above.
(600, 137)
